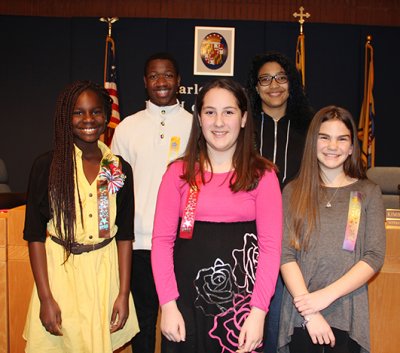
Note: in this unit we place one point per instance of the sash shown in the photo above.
(187, 224)
(103, 208)
(353, 221)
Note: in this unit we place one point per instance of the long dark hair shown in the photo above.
(306, 187)
(248, 165)
(63, 165)
(298, 106)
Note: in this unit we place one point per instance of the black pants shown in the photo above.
(302, 343)
(146, 302)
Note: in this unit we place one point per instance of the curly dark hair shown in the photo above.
(63, 165)
(298, 106)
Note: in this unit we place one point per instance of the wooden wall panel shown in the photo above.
(3, 285)
(3, 306)
(20, 279)
(384, 299)
(20, 284)
(367, 12)
(384, 294)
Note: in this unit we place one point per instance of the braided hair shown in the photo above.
(63, 166)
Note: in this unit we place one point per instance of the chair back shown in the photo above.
(3, 177)
(388, 178)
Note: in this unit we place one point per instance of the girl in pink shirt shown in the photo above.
(217, 231)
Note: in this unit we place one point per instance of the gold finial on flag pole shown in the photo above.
(369, 39)
(110, 21)
(301, 16)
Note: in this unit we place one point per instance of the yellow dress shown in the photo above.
(85, 287)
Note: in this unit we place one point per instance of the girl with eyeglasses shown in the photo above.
(281, 115)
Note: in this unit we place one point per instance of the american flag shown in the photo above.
(110, 83)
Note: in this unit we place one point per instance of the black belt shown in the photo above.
(78, 248)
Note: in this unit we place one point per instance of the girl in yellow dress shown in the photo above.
(80, 198)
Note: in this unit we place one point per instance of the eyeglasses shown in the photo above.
(266, 80)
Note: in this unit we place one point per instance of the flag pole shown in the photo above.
(300, 47)
(366, 124)
(110, 79)
(109, 21)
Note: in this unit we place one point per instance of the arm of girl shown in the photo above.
(172, 324)
(363, 270)
(252, 331)
(50, 313)
(318, 328)
(120, 311)
(164, 234)
(268, 214)
(357, 276)
(294, 279)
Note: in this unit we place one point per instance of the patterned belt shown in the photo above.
(78, 248)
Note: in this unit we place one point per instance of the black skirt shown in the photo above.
(215, 272)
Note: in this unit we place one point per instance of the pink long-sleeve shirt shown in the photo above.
(217, 203)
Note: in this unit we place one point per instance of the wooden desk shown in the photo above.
(16, 280)
(19, 278)
(3, 286)
(384, 299)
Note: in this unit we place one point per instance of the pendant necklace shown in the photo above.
(328, 204)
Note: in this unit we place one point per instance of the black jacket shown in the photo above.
(285, 139)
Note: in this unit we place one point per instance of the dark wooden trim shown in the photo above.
(365, 12)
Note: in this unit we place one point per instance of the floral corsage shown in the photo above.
(112, 174)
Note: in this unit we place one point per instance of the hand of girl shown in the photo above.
(251, 334)
(319, 330)
(50, 316)
(172, 324)
(311, 303)
(120, 312)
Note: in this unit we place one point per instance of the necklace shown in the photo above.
(328, 204)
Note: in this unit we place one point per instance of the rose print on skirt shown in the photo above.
(227, 325)
(246, 260)
(215, 287)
